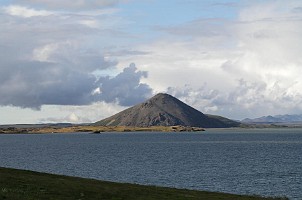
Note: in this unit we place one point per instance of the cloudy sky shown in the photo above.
(83, 60)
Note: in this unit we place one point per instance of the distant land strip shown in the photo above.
(25, 185)
(72, 128)
(95, 129)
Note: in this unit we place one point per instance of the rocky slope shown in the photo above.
(165, 110)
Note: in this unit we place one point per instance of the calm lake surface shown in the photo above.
(253, 161)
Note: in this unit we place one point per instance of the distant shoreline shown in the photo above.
(96, 129)
(48, 129)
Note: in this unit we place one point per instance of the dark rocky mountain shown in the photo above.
(275, 119)
(165, 110)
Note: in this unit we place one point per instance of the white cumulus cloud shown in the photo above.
(253, 62)
(22, 11)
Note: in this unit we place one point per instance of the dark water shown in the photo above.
(259, 161)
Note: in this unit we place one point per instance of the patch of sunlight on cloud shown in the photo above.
(25, 12)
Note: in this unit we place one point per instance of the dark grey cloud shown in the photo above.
(41, 67)
(33, 84)
(53, 60)
(125, 88)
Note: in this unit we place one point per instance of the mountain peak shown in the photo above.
(161, 96)
(164, 110)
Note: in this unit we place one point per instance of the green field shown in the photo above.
(21, 184)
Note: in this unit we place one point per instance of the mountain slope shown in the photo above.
(275, 119)
(165, 110)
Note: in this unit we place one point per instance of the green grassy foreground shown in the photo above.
(21, 184)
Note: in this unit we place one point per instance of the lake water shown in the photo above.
(253, 161)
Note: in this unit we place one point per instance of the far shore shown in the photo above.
(95, 129)
(80, 128)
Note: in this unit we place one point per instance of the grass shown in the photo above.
(28, 185)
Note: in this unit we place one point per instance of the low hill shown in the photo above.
(285, 119)
(165, 110)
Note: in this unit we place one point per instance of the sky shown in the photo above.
(83, 60)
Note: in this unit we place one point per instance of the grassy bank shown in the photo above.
(20, 184)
